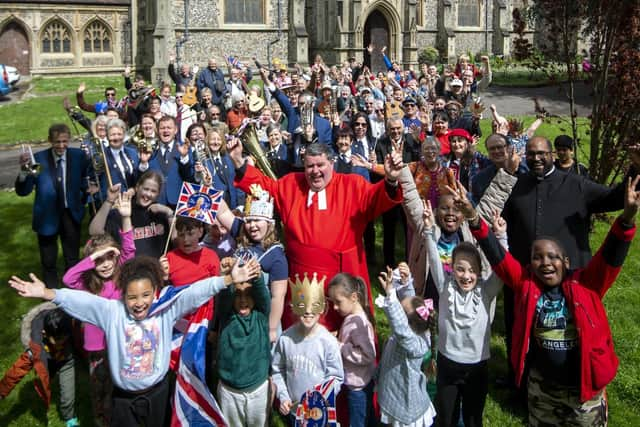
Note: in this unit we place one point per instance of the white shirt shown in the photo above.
(322, 199)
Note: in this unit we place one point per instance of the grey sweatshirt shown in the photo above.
(139, 350)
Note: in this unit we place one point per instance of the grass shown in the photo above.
(29, 119)
(23, 408)
(523, 77)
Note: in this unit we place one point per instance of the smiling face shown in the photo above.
(539, 156)
(430, 153)
(308, 323)
(256, 229)
(138, 297)
(215, 142)
(275, 138)
(243, 301)
(147, 192)
(465, 271)
(188, 240)
(115, 134)
(548, 262)
(106, 264)
(440, 127)
(60, 142)
(318, 170)
(148, 126)
(343, 143)
(458, 145)
(197, 134)
(448, 215)
(167, 131)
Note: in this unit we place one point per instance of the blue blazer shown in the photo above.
(127, 181)
(223, 180)
(173, 174)
(46, 216)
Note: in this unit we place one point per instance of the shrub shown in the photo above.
(428, 55)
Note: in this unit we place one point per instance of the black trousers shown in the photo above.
(69, 234)
(390, 220)
(148, 408)
(468, 382)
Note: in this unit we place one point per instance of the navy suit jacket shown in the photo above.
(172, 172)
(46, 215)
(223, 180)
(127, 181)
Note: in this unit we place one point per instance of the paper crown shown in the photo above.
(259, 204)
(307, 296)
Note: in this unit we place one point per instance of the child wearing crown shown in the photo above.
(306, 354)
(257, 238)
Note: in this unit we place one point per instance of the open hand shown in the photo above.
(393, 165)
(385, 278)
(248, 271)
(123, 204)
(631, 200)
(33, 288)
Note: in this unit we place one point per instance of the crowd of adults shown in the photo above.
(343, 145)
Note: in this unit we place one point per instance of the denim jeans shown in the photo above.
(360, 406)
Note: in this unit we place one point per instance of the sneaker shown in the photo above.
(73, 422)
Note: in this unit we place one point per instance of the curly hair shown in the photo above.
(140, 268)
(92, 281)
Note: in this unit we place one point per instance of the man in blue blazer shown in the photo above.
(122, 160)
(166, 159)
(60, 200)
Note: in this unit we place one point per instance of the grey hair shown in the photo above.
(430, 140)
(116, 123)
(318, 149)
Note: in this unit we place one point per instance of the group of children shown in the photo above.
(128, 335)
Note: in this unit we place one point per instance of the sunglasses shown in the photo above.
(110, 94)
(360, 124)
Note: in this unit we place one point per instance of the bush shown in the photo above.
(428, 55)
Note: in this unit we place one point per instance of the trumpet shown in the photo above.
(306, 112)
(32, 167)
(249, 138)
(143, 144)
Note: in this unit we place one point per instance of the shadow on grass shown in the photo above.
(26, 402)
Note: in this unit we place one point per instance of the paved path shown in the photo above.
(510, 102)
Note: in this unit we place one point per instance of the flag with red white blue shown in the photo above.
(199, 202)
(317, 407)
(193, 403)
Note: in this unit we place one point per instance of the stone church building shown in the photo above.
(102, 36)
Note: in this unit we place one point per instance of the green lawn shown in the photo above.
(19, 255)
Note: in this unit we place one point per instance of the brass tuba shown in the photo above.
(247, 134)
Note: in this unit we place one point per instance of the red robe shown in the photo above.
(328, 241)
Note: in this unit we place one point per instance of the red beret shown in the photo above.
(460, 132)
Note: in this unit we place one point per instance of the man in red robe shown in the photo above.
(324, 215)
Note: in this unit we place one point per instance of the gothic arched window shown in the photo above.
(56, 38)
(97, 38)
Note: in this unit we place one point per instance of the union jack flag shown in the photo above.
(199, 202)
(317, 406)
(193, 403)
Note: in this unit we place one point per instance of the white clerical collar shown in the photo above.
(322, 199)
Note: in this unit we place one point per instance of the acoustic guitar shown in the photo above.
(190, 96)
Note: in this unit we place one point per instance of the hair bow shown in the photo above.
(425, 310)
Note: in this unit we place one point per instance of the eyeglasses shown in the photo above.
(214, 114)
(368, 103)
(534, 154)
(360, 124)
(410, 105)
(500, 147)
(178, 97)
(110, 94)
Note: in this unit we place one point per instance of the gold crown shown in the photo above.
(307, 296)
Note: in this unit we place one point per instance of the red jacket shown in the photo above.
(583, 290)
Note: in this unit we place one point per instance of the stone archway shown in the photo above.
(376, 33)
(14, 47)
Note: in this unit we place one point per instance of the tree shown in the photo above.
(612, 28)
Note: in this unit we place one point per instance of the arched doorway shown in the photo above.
(376, 33)
(14, 48)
